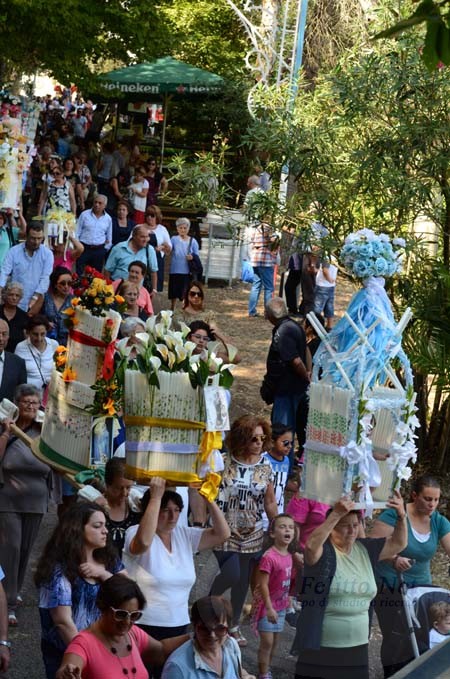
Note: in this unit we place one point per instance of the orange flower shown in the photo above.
(119, 299)
(69, 374)
(109, 407)
(75, 301)
(61, 360)
(60, 349)
(69, 312)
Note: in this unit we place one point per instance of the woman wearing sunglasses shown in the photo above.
(211, 652)
(57, 299)
(57, 193)
(246, 491)
(75, 561)
(113, 646)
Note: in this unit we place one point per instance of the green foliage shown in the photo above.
(436, 16)
(206, 34)
(69, 39)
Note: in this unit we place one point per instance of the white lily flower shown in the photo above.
(160, 331)
(144, 338)
(404, 473)
(228, 366)
(169, 340)
(123, 347)
(194, 367)
(171, 358)
(155, 362)
(190, 347)
(166, 317)
(195, 359)
(185, 329)
(150, 324)
(180, 352)
(163, 350)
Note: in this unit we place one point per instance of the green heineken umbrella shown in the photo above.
(163, 76)
(166, 77)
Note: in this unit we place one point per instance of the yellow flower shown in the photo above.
(92, 291)
(109, 299)
(69, 374)
(109, 407)
(75, 301)
(97, 300)
(119, 299)
(109, 290)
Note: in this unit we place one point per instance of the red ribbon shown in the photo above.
(108, 360)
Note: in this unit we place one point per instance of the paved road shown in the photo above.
(26, 658)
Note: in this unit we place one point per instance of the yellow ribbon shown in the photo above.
(210, 440)
(164, 422)
(138, 474)
(210, 486)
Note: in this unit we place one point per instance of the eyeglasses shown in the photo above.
(219, 630)
(120, 615)
(200, 338)
(193, 293)
(33, 404)
(257, 438)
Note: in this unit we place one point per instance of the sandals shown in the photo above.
(236, 633)
(12, 620)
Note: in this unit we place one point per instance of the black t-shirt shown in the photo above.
(288, 342)
(117, 529)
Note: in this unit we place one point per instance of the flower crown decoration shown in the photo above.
(366, 253)
(94, 292)
(161, 348)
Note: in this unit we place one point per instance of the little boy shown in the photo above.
(439, 616)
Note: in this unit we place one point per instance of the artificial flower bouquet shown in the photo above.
(366, 253)
(164, 405)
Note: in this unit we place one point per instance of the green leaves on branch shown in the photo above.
(436, 49)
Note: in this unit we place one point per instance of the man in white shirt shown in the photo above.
(30, 264)
(94, 231)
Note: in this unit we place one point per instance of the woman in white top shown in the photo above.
(159, 555)
(159, 238)
(138, 190)
(37, 351)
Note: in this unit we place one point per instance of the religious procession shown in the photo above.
(224, 342)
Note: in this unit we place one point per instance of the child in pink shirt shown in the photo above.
(307, 514)
(273, 583)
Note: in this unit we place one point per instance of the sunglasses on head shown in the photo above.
(120, 615)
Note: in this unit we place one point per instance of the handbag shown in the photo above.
(195, 264)
(247, 275)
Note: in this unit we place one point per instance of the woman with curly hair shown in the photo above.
(75, 561)
(246, 491)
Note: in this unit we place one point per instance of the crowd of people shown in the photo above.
(115, 577)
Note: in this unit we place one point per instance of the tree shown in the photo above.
(68, 39)
(436, 16)
(370, 146)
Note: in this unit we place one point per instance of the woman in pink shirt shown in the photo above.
(114, 646)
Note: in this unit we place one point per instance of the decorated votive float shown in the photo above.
(83, 393)
(361, 422)
(175, 406)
